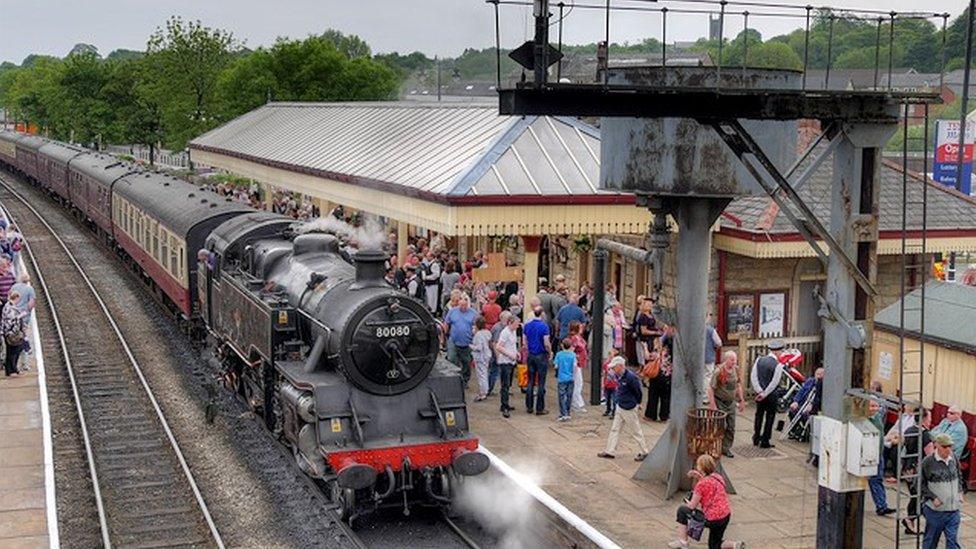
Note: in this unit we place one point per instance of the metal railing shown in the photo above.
(162, 157)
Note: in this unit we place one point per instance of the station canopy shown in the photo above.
(459, 169)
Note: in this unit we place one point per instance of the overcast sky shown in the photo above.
(443, 27)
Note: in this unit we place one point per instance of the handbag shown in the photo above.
(651, 369)
(696, 524)
(522, 374)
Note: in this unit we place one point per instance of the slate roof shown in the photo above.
(947, 208)
(450, 150)
(950, 314)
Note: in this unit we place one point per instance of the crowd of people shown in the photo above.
(17, 300)
(285, 203)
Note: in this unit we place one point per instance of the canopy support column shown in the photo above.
(403, 240)
(530, 271)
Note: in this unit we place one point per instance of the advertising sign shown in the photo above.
(947, 154)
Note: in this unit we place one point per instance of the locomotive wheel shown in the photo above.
(345, 499)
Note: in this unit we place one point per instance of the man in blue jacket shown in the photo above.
(628, 395)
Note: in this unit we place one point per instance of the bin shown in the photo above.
(705, 430)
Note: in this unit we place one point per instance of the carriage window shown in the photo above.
(164, 257)
(173, 261)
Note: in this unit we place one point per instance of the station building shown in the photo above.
(529, 186)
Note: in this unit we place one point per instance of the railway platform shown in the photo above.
(775, 505)
(28, 518)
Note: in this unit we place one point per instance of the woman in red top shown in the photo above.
(582, 359)
(709, 495)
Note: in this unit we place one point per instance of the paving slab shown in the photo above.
(775, 504)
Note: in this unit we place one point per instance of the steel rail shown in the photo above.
(459, 532)
(135, 366)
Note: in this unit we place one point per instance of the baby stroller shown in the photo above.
(792, 379)
(800, 422)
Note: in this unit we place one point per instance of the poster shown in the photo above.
(772, 314)
(884, 365)
(947, 157)
(739, 316)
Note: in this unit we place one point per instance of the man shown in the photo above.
(811, 389)
(953, 426)
(411, 283)
(536, 339)
(628, 394)
(765, 377)
(506, 351)
(459, 328)
(876, 481)
(431, 270)
(568, 313)
(712, 342)
(941, 494)
(496, 331)
(28, 299)
(725, 394)
(915, 437)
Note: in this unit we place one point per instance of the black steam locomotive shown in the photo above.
(341, 366)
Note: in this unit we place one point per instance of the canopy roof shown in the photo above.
(455, 168)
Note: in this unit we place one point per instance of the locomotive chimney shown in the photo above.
(370, 269)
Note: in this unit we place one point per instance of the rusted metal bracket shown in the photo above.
(746, 149)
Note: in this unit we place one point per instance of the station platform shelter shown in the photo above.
(461, 170)
(529, 186)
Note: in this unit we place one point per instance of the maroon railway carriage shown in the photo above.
(90, 181)
(8, 147)
(27, 148)
(52, 166)
(161, 222)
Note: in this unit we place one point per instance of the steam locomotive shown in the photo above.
(338, 364)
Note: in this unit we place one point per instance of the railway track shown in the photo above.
(144, 491)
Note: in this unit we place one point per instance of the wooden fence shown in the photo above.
(749, 350)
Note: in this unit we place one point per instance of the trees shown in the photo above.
(187, 59)
(312, 69)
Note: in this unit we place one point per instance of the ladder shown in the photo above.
(916, 268)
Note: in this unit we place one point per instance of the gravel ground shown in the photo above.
(256, 496)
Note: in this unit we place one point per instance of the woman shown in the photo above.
(646, 330)
(709, 495)
(619, 323)
(659, 387)
(13, 326)
(725, 394)
(582, 359)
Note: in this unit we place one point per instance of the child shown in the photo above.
(579, 348)
(610, 385)
(565, 365)
(481, 352)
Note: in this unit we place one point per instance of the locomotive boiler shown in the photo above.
(342, 366)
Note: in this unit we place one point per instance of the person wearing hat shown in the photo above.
(766, 374)
(628, 397)
(412, 282)
(941, 494)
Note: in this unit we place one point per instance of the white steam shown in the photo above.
(501, 507)
(368, 236)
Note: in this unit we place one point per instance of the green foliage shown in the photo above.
(187, 59)
(303, 70)
(125, 55)
(349, 45)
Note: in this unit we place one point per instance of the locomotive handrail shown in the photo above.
(357, 429)
(440, 418)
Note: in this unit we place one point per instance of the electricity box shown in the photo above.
(863, 448)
